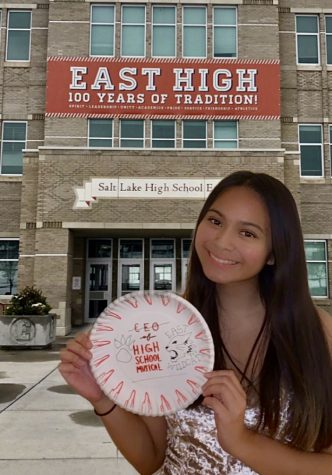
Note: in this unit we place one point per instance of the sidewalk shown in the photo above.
(45, 427)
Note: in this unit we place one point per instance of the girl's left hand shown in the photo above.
(224, 394)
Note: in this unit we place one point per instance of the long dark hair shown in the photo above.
(297, 359)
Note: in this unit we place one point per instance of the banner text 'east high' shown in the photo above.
(161, 88)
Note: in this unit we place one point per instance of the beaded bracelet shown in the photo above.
(105, 413)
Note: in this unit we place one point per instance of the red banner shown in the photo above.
(163, 88)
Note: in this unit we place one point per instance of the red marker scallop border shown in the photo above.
(121, 328)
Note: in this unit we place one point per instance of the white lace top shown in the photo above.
(193, 447)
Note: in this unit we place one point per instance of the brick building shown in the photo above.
(100, 188)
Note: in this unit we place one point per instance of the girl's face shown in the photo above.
(233, 241)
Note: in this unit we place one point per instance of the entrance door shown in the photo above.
(98, 277)
(99, 288)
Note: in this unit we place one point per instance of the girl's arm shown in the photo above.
(266, 456)
(142, 440)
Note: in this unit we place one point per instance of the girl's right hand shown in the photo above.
(75, 368)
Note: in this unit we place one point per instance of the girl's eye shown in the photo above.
(214, 221)
(248, 234)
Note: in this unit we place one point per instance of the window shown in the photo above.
(328, 24)
(8, 266)
(316, 257)
(133, 31)
(163, 31)
(163, 277)
(194, 32)
(162, 249)
(225, 134)
(102, 30)
(307, 37)
(100, 133)
(185, 251)
(18, 35)
(99, 248)
(163, 133)
(224, 32)
(132, 133)
(131, 278)
(13, 142)
(194, 134)
(311, 150)
(131, 249)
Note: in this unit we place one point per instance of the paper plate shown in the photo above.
(150, 351)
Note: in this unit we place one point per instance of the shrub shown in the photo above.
(30, 301)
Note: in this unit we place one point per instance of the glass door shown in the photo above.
(99, 288)
(98, 281)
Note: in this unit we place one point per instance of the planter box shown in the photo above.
(27, 330)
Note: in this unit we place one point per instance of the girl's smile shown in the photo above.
(222, 261)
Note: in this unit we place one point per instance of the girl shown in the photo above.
(267, 406)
